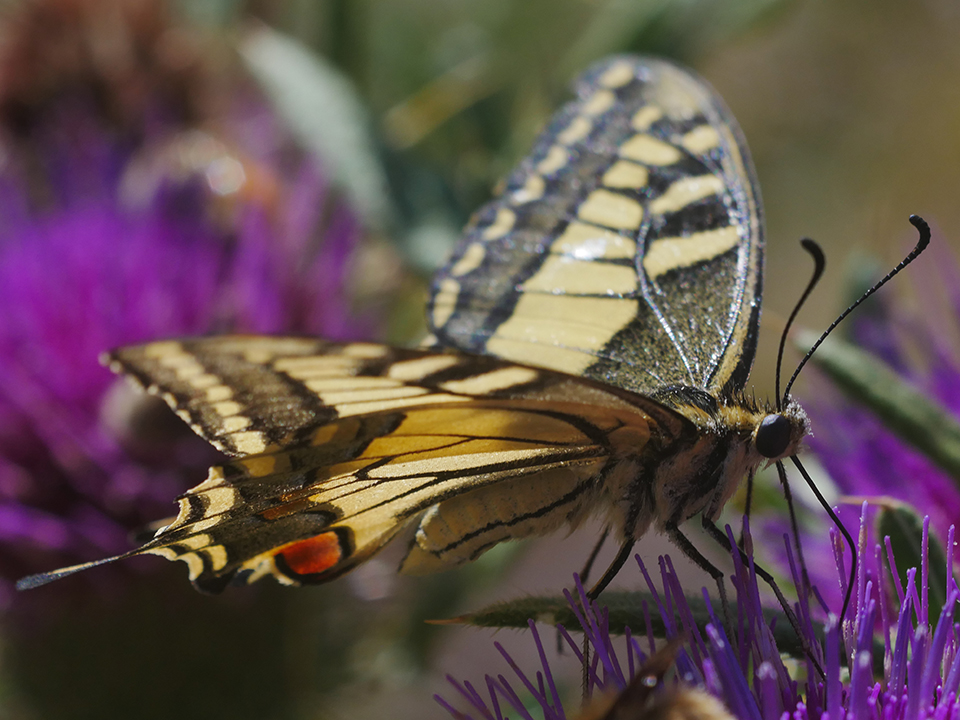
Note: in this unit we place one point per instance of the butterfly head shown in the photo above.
(780, 434)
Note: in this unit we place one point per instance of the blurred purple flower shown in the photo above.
(919, 679)
(184, 234)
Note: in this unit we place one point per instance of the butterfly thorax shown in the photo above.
(726, 440)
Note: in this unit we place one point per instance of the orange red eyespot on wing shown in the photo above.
(312, 556)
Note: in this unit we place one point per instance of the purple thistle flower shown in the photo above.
(104, 242)
(918, 678)
(82, 280)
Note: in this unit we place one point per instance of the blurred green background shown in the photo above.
(852, 111)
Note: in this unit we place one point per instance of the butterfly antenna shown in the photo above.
(819, 263)
(795, 527)
(924, 240)
(920, 224)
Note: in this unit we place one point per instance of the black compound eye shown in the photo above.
(773, 436)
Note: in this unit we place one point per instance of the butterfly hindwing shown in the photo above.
(475, 449)
(626, 248)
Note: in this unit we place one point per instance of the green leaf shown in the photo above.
(325, 113)
(625, 610)
(904, 525)
(913, 416)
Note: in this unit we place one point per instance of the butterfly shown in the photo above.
(591, 337)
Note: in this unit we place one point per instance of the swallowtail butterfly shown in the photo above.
(591, 336)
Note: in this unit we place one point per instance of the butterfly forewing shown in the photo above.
(626, 248)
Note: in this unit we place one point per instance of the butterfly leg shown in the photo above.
(585, 573)
(613, 569)
(588, 565)
(690, 550)
(601, 585)
(594, 592)
(748, 502)
(722, 538)
(788, 496)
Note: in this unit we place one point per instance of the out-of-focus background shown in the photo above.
(302, 166)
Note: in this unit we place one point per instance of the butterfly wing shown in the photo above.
(626, 248)
(623, 258)
(311, 514)
(341, 446)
